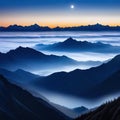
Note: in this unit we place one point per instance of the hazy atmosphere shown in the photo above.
(60, 60)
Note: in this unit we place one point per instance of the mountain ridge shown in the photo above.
(30, 59)
(72, 45)
(78, 81)
(36, 27)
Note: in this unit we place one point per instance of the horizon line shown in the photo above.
(116, 25)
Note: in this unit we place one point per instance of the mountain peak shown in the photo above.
(24, 50)
(98, 24)
(12, 25)
(20, 48)
(35, 25)
(70, 40)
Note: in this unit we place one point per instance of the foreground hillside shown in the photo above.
(108, 111)
(18, 104)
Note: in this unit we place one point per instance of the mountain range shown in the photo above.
(80, 82)
(35, 27)
(72, 45)
(29, 59)
(18, 104)
(77, 82)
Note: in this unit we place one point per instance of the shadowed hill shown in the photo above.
(108, 111)
(18, 104)
(109, 86)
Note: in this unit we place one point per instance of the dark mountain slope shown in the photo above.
(108, 111)
(109, 86)
(18, 104)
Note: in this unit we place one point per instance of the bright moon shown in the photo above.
(72, 6)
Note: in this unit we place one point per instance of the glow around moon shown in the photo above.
(72, 6)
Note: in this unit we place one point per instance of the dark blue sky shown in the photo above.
(16, 4)
(59, 12)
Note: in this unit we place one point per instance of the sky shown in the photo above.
(62, 13)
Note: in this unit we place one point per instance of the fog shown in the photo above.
(73, 101)
(84, 56)
(50, 70)
(12, 40)
(29, 39)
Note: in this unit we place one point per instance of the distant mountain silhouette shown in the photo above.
(72, 45)
(107, 111)
(78, 82)
(30, 59)
(15, 27)
(35, 27)
(18, 104)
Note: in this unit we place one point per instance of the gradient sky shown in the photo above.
(59, 13)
